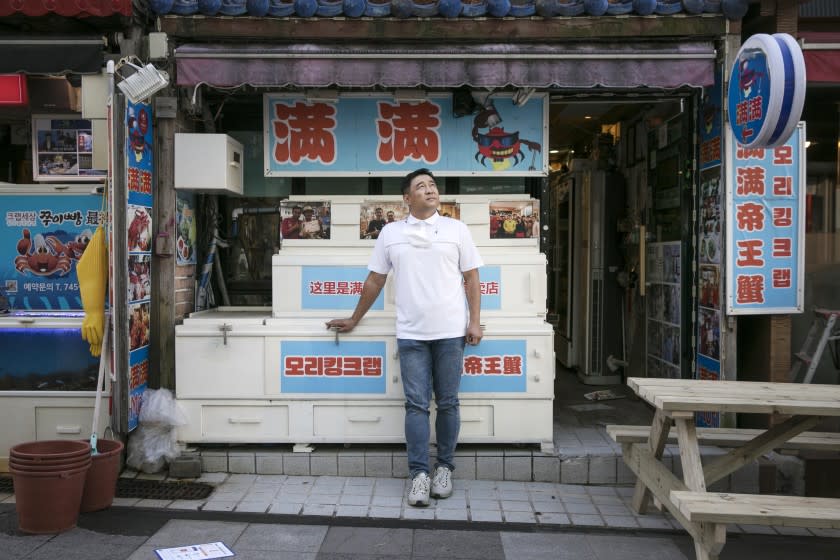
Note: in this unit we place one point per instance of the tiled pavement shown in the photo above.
(508, 504)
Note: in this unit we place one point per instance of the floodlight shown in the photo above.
(143, 83)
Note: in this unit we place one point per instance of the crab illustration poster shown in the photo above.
(384, 136)
(41, 240)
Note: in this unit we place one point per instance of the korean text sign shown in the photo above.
(765, 227)
(325, 367)
(41, 240)
(386, 137)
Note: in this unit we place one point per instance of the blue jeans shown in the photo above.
(428, 365)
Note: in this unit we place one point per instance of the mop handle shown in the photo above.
(103, 361)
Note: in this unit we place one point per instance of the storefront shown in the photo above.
(616, 127)
(54, 146)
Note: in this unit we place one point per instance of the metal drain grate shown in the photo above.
(144, 489)
(155, 490)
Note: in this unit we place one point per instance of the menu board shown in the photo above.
(62, 149)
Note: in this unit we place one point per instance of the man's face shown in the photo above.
(378, 213)
(390, 216)
(296, 212)
(308, 215)
(422, 194)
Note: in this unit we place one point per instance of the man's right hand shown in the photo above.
(342, 325)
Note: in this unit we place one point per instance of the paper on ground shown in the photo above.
(206, 551)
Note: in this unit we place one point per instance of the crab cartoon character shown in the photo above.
(41, 256)
(498, 145)
(138, 127)
(75, 248)
(749, 77)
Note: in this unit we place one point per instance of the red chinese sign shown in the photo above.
(304, 132)
(493, 365)
(408, 131)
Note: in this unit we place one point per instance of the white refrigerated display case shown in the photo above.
(277, 375)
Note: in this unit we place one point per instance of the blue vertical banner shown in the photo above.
(711, 127)
(765, 227)
(708, 369)
(139, 164)
(41, 241)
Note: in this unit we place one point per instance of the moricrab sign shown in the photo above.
(382, 136)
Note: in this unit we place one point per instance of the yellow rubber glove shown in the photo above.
(92, 271)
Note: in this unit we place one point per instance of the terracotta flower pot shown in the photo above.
(101, 479)
(51, 450)
(48, 502)
(35, 466)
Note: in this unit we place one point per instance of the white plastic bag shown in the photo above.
(160, 407)
(155, 442)
(151, 446)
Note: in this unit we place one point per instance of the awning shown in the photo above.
(822, 57)
(51, 55)
(66, 8)
(661, 65)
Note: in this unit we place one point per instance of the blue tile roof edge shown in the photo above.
(450, 9)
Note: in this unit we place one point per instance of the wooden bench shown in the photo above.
(730, 437)
(762, 509)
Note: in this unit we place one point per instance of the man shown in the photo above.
(310, 226)
(438, 298)
(376, 224)
(390, 217)
(509, 225)
(290, 227)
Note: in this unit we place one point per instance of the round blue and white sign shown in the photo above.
(766, 90)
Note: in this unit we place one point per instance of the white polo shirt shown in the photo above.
(428, 258)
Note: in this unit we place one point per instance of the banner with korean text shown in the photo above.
(381, 136)
(765, 227)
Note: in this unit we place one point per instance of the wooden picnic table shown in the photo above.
(705, 515)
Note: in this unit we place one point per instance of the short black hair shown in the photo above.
(406, 182)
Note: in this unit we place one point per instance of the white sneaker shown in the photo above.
(419, 494)
(442, 483)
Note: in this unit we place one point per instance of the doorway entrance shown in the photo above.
(621, 195)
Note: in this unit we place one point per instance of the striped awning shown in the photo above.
(492, 65)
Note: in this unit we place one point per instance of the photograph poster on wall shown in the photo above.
(305, 219)
(62, 149)
(519, 219)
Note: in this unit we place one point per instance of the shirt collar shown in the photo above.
(431, 220)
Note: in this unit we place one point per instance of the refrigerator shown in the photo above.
(586, 260)
(47, 374)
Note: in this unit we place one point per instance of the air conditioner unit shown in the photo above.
(209, 163)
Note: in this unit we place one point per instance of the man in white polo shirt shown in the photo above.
(438, 300)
